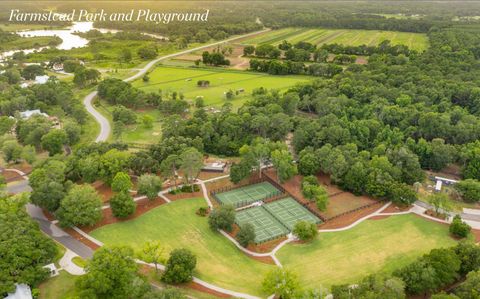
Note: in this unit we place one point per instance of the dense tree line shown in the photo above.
(24, 248)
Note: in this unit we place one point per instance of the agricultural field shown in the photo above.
(184, 80)
(177, 226)
(415, 41)
(373, 246)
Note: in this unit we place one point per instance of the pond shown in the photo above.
(69, 39)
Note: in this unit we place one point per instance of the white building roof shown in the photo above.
(438, 185)
(29, 113)
(21, 292)
(41, 79)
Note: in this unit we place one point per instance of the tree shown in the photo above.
(222, 217)
(122, 205)
(440, 202)
(12, 151)
(458, 228)
(281, 282)
(142, 162)
(246, 235)
(402, 194)
(165, 293)
(308, 162)
(149, 185)
(82, 206)
(125, 55)
(180, 266)
(470, 289)
(305, 231)
(53, 141)
(47, 184)
(373, 287)
(469, 190)
(444, 296)
(121, 182)
(446, 265)
(419, 277)
(282, 160)
(24, 248)
(31, 71)
(192, 163)
(147, 52)
(248, 50)
(113, 162)
(469, 255)
(111, 273)
(169, 168)
(238, 172)
(147, 121)
(152, 252)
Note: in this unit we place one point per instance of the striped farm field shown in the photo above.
(320, 36)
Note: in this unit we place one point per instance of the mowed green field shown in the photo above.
(415, 41)
(177, 226)
(184, 80)
(373, 246)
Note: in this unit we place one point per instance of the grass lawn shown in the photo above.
(372, 246)
(184, 80)
(177, 226)
(319, 36)
(58, 287)
(136, 134)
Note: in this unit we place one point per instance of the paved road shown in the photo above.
(58, 234)
(105, 127)
(18, 187)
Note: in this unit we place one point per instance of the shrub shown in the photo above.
(459, 228)
(122, 205)
(305, 231)
(202, 211)
(121, 182)
(246, 235)
(188, 188)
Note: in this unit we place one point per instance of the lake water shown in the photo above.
(69, 39)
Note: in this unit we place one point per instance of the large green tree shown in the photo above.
(24, 249)
(180, 266)
(281, 282)
(111, 273)
(81, 206)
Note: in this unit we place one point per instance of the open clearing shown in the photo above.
(177, 226)
(415, 41)
(184, 80)
(374, 245)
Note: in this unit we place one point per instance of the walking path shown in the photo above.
(105, 127)
(68, 265)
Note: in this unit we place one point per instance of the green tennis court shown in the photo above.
(289, 212)
(246, 195)
(265, 225)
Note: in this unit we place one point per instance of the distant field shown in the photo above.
(372, 246)
(184, 80)
(415, 41)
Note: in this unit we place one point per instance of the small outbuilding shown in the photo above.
(214, 167)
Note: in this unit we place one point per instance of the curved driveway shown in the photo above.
(105, 127)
